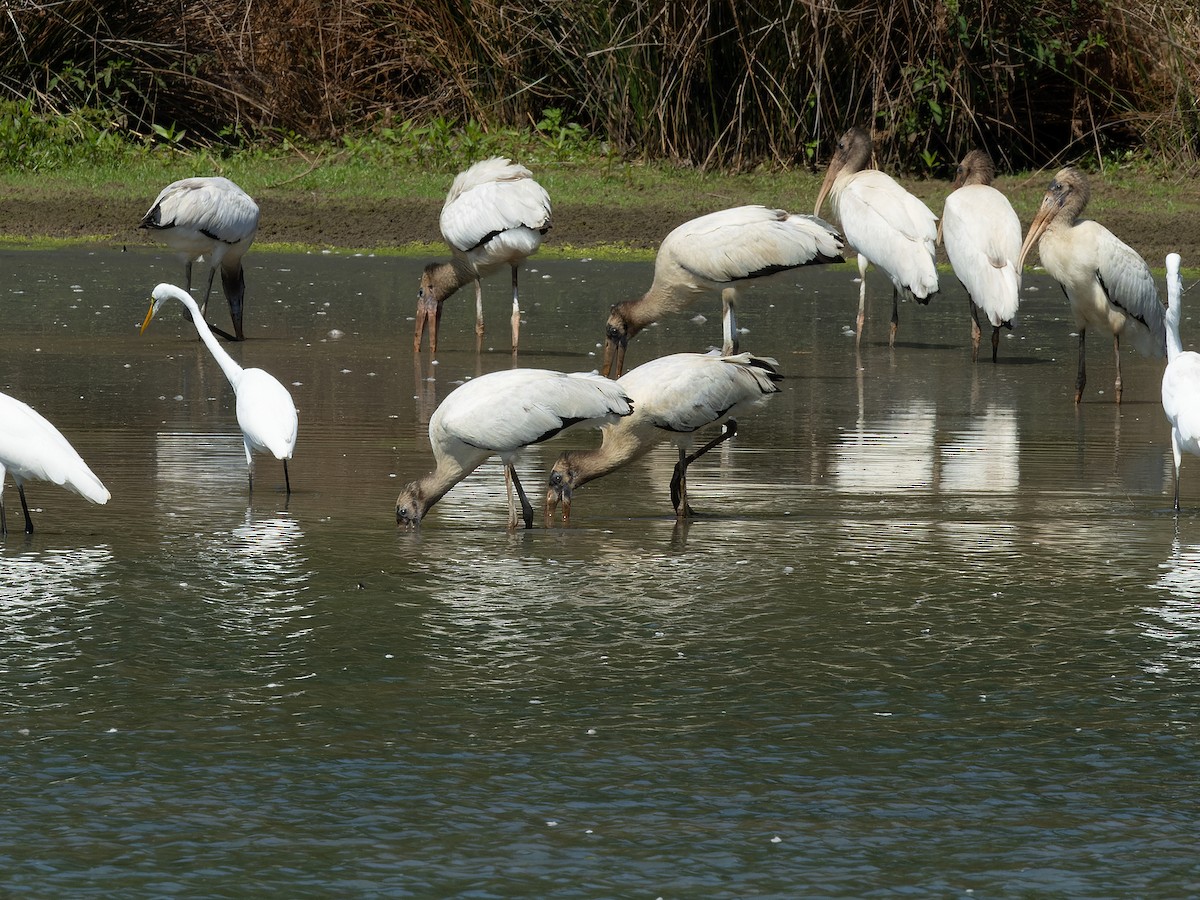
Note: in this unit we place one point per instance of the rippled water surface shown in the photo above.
(939, 633)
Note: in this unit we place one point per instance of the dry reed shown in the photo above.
(710, 83)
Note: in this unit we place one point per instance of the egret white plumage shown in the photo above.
(265, 411)
(673, 397)
(211, 218)
(1181, 380)
(722, 252)
(884, 223)
(983, 240)
(495, 215)
(1108, 284)
(32, 449)
(501, 413)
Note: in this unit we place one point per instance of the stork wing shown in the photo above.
(506, 410)
(747, 241)
(1127, 282)
(983, 240)
(213, 206)
(490, 198)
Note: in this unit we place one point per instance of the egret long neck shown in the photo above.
(1174, 341)
(227, 363)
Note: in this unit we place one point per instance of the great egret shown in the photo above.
(32, 449)
(265, 411)
(886, 224)
(673, 397)
(501, 413)
(211, 218)
(495, 215)
(1107, 283)
(983, 240)
(1181, 380)
(721, 252)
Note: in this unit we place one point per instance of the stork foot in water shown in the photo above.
(679, 478)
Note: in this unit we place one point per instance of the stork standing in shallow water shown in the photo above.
(32, 449)
(1108, 285)
(721, 252)
(501, 413)
(673, 397)
(983, 240)
(886, 224)
(495, 215)
(1181, 380)
(211, 218)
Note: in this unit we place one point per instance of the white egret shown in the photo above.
(495, 215)
(983, 240)
(1181, 380)
(884, 223)
(502, 413)
(32, 449)
(265, 411)
(1108, 284)
(721, 252)
(673, 397)
(211, 218)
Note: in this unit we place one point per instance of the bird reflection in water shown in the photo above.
(1175, 623)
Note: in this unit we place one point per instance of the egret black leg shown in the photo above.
(25, 509)
(287, 482)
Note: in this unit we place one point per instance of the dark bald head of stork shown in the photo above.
(1065, 199)
(561, 488)
(853, 154)
(622, 324)
(976, 168)
(411, 506)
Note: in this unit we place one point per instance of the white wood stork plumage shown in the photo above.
(722, 252)
(1108, 284)
(983, 240)
(884, 223)
(495, 215)
(32, 449)
(265, 411)
(1181, 380)
(211, 218)
(673, 397)
(501, 413)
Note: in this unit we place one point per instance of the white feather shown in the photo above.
(983, 240)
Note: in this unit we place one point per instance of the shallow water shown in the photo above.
(940, 633)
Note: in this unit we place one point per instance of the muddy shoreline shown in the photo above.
(394, 223)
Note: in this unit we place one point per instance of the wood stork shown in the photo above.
(1107, 283)
(886, 224)
(502, 413)
(495, 215)
(673, 397)
(265, 411)
(1181, 380)
(983, 240)
(721, 252)
(32, 449)
(211, 218)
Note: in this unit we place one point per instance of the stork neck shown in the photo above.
(621, 444)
